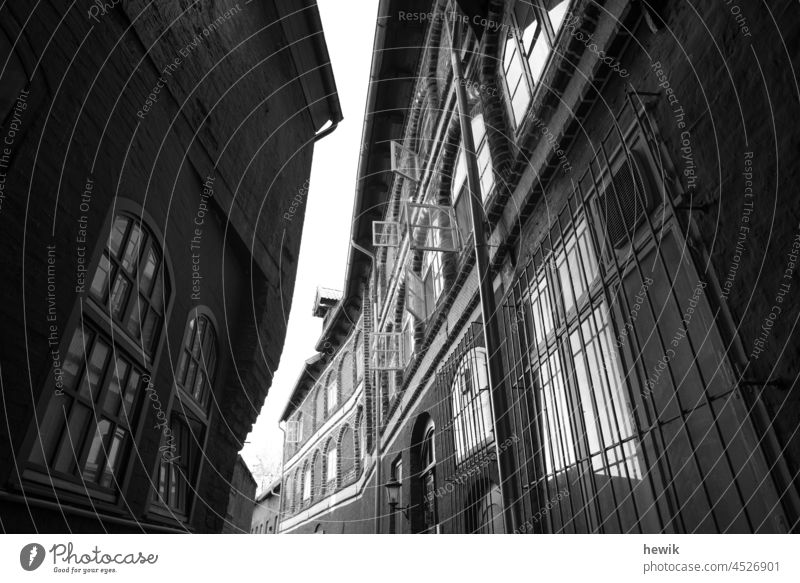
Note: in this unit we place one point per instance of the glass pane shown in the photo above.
(148, 271)
(520, 100)
(119, 295)
(100, 279)
(109, 472)
(557, 14)
(199, 387)
(150, 330)
(180, 372)
(201, 327)
(50, 424)
(75, 357)
(538, 57)
(131, 388)
(79, 419)
(90, 385)
(115, 379)
(117, 234)
(530, 30)
(131, 256)
(190, 375)
(158, 296)
(95, 456)
(133, 324)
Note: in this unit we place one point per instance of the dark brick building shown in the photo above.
(154, 169)
(241, 500)
(633, 170)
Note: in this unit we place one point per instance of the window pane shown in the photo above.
(115, 379)
(75, 357)
(150, 330)
(131, 256)
(557, 13)
(117, 234)
(79, 419)
(119, 296)
(148, 271)
(133, 324)
(109, 473)
(95, 457)
(101, 277)
(158, 295)
(131, 388)
(90, 385)
(537, 58)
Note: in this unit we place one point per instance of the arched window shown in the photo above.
(346, 375)
(84, 434)
(317, 489)
(347, 455)
(428, 478)
(472, 406)
(297, 493)
(307, 483)
(423, 476)
(319, 407)
(198, 360)
(331, 466)
(332, 393)
(359, 348)
(361, 429)
(288, 507)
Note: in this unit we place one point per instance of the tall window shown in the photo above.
(85, 432)
(331, 467)
(397, 474)
(472, 408)
(348, 455)
(333, 393)
(485, 173)
(535, 25)
(428, 478)
(129, 282)
(319, 408)
(198, 359)
(359, 344)
(307, 484)
(317, 487)
(179, 462)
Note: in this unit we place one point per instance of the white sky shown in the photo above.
(349, 32)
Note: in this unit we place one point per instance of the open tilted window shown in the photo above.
(405, 162)
(431, 227)
(387, 351)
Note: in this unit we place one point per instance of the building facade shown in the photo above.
(640, 338)
(155, 163)
(241, 500)
(267, 511)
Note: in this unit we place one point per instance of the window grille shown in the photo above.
(387, 351)
(432, 227)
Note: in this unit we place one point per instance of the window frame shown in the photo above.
(551, 37)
